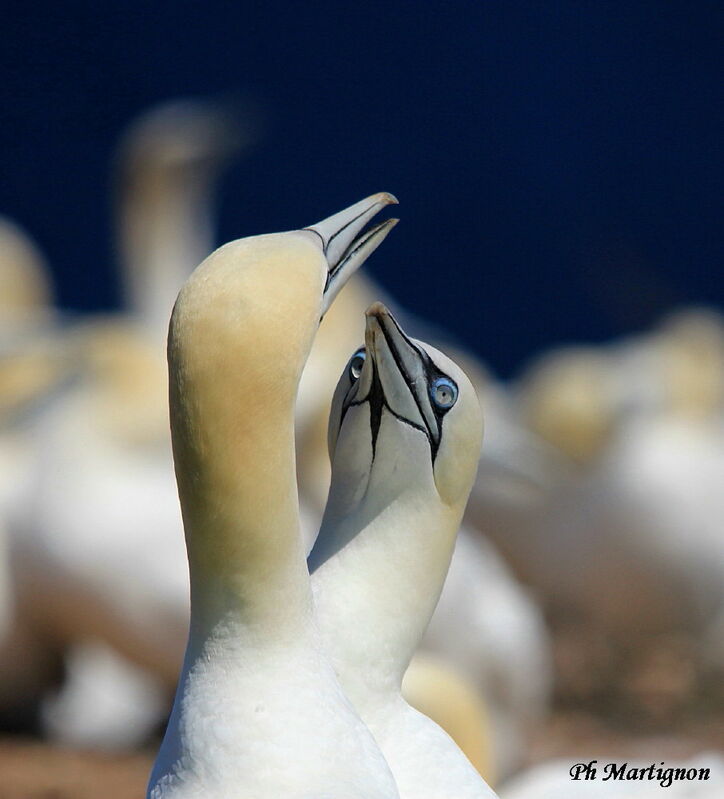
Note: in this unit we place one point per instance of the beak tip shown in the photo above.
(346, 245)
(384, 228)
(376, 311)
(385, 198)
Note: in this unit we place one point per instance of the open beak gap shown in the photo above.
(346, 245)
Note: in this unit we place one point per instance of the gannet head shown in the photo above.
(281, 280)
(568, 398)
(181, 136)
(404, 418)
(24, 283)
(244, 322)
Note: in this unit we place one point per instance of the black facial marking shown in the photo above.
(432, 373)
(325, 247)
(377, 401)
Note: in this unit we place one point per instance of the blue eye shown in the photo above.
(443, 393)
(356, 364)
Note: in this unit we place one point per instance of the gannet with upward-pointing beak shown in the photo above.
(404, 437)
(259, 712)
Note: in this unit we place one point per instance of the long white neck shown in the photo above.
(233, 378)
(376, 595)
(237, 486)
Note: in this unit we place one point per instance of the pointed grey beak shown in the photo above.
(385, 338)
(344, 244)
(399, 362)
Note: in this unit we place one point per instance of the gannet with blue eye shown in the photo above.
(259, 711)
(404, 437)
(505, 653)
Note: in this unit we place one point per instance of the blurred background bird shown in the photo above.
(102, 506)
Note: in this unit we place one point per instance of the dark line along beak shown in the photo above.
(345, 247)
(396, 356)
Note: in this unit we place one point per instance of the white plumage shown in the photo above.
(258, 710)
(404, 436)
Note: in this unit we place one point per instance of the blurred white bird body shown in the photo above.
(100, 527)
(456, 703)
(669, 457)
(661, 506)
(100, 478)
(644, 511)
(32, 365)
(104, 499)
(495, 633)
(626, 547)
(29, 363)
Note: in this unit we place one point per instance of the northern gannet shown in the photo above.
(404, 437)
(258, 712)
(505, 653)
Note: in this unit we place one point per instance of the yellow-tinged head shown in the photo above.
(24, 282)
(243, 324)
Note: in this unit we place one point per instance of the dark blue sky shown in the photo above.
(558, 165)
